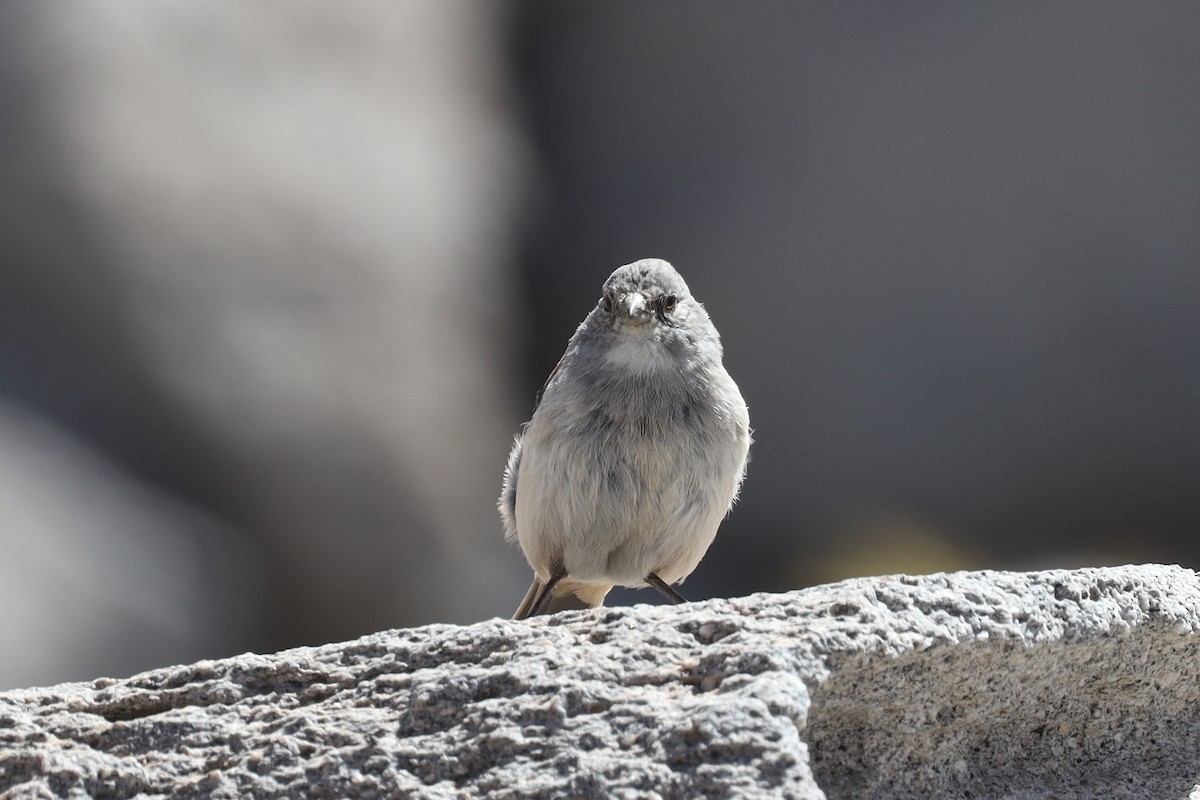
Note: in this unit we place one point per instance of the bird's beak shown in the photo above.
(634, 304)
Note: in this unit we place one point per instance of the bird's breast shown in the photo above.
(636, 483)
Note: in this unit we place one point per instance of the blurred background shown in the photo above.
(277, 287)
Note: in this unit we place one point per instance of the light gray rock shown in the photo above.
(1077, 683)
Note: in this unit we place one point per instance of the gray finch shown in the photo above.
(635, 452)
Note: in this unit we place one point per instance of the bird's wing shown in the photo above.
(537, 399)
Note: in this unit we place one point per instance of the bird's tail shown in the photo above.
(568, 595)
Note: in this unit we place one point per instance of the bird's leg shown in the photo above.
(544, 595)
(665, 589)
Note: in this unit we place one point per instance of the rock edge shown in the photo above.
(1079, 683)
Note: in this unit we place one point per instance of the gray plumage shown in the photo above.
(636, 449)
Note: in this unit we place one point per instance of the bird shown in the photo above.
(636, 450)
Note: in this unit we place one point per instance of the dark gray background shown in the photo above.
(277, 288)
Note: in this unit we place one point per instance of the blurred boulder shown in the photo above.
(260, 260)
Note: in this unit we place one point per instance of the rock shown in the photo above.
(256, 265)
(1078, 683)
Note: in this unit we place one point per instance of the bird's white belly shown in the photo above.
(614, 514)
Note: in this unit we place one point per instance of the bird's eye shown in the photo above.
(667, 303)
(607, 302)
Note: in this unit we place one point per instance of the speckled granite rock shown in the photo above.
(1078, 683)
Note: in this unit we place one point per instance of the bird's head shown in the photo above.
(645, 292)
(647, 319)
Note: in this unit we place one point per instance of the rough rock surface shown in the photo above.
(1018, 685)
